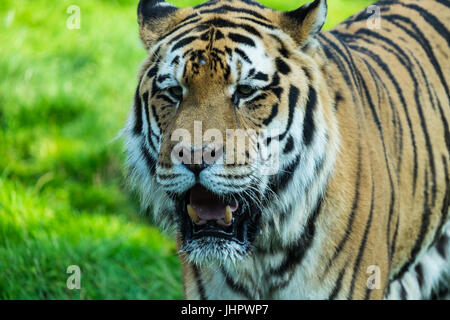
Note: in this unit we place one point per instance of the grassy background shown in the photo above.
(64, 95)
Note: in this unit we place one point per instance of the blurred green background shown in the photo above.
(64, 95)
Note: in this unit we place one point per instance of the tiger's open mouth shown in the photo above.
(206, 215)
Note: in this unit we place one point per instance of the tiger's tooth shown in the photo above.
(193, 214)
(228, 215)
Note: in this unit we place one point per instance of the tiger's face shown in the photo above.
(226, 105)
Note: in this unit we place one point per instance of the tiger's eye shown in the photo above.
(177, 92)
(245, 91)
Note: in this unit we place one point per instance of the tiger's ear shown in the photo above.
(155, 17)
(305, 22)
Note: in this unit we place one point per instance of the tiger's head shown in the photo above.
(231, 138)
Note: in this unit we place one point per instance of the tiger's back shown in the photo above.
(400, 70)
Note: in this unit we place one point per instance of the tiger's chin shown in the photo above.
(216, 229)
(212, 250)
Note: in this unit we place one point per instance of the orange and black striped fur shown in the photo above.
(359, 206)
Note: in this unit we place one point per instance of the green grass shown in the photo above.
(64, 95)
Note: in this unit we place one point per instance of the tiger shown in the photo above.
(339, 187)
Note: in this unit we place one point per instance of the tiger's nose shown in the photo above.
(198, 159)
(197, 168)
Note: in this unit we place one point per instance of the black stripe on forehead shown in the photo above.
(225, 23)
(262, 24)
(219, 35)
(215, 22)
(207, 36)
(198, 28)
(189, 17)
(241, 39)
(197, 25)
(179, 27)
(209, 3)
(183, 42)
(226, 8)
